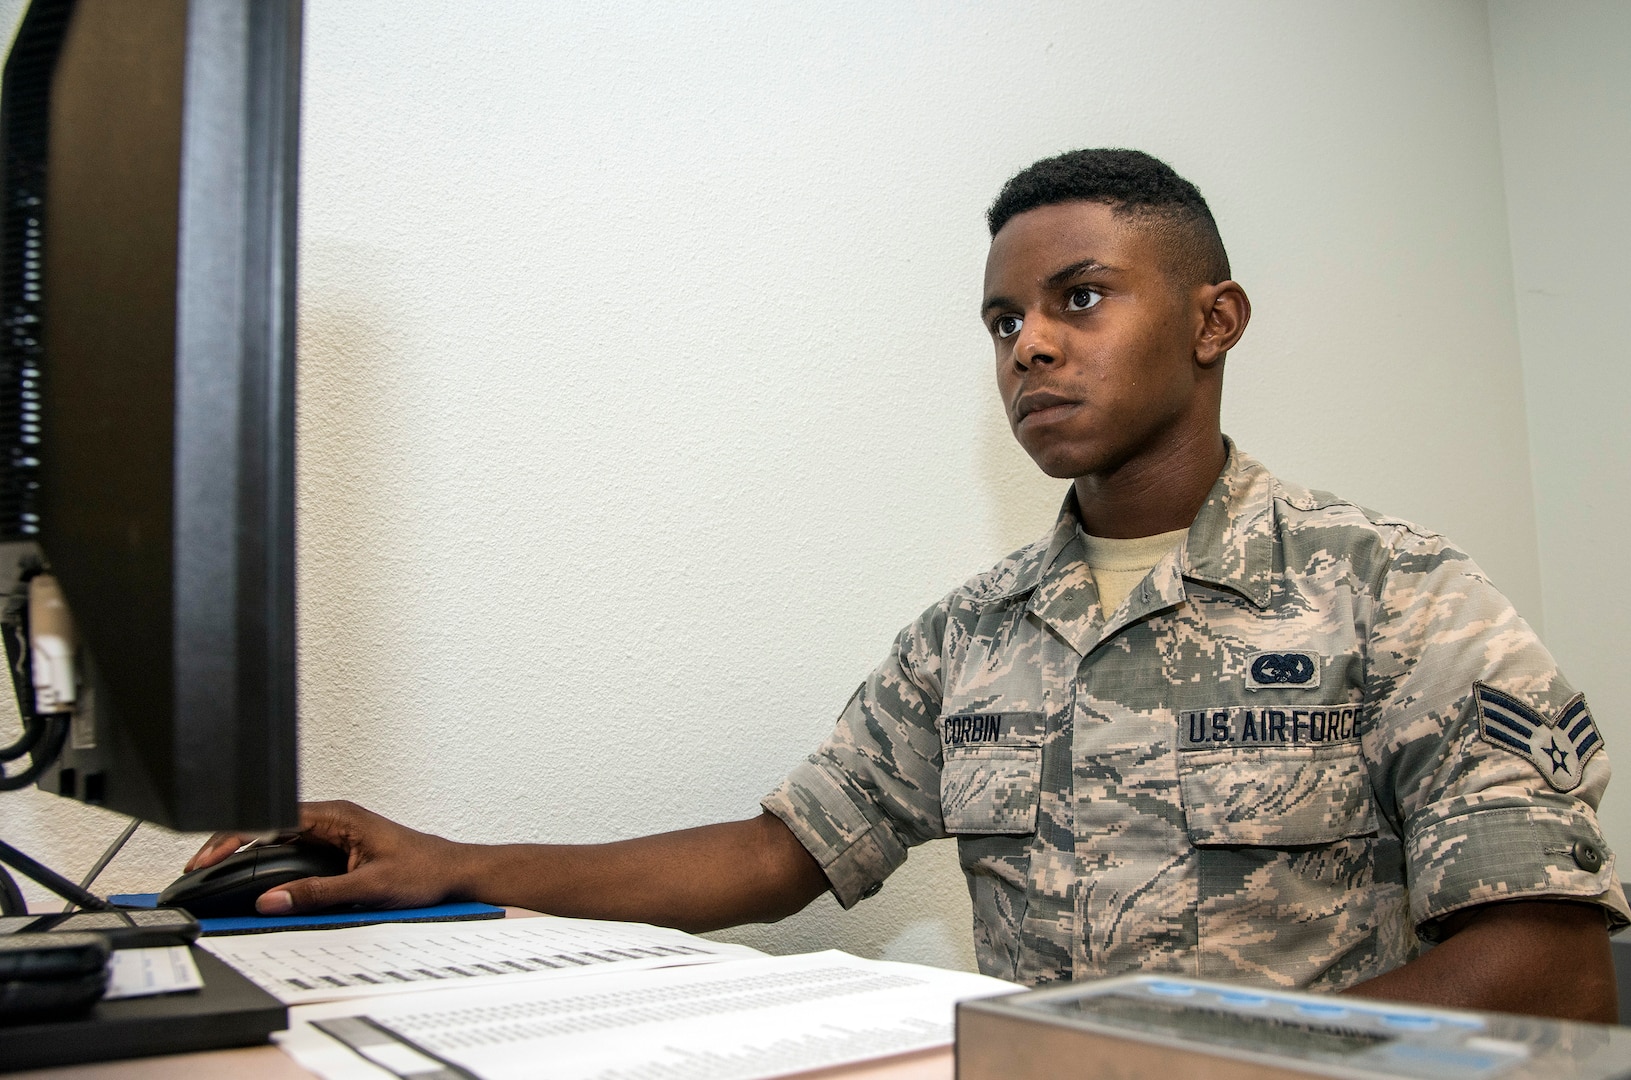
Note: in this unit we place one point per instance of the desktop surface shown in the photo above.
(271, 1063)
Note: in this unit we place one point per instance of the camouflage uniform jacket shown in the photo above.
(1302, 739)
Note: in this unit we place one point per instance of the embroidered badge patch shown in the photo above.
(1279, 670)
(1558, 748)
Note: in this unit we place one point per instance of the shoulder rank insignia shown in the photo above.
(1559, 748)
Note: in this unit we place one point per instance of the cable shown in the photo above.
(107, 857)
(41, 757)
(44, 875)
(13, 626)
(11, 898)
(32, 731)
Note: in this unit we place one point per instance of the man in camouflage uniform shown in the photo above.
(1301, 738)
(1265, 764)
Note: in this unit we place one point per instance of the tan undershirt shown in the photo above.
(1119, 565)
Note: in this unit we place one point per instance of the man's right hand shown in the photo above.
(695, 879)
(387, 865)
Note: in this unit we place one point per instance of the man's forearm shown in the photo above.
(695, 879)
(1539, 957)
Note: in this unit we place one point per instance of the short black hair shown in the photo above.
(1133, 184)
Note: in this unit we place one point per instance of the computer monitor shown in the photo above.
(147, 391)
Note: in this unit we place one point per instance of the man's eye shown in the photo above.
(1082, 298)
(1007, 325)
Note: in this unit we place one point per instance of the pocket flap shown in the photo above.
(991, 789)
(1276, 796)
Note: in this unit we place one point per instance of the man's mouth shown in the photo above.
(1041, 407)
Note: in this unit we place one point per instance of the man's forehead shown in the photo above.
(1034, 245)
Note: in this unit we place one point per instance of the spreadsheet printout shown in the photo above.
(302, 966)
(745, 1020)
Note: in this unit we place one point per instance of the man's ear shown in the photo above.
(1225, 310)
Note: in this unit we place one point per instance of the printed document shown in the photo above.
(744, 1020)
(164, 969)
(302, 966)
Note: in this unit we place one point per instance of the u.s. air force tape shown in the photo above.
(1216, 729)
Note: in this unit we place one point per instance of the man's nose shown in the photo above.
(1037, 343)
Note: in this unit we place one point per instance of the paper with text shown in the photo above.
(745, 1020)
(302, 966)
(166, 969)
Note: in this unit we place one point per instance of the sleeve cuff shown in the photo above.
(1484, 855)
(855, 850)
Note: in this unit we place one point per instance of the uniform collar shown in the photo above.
(1231, 546)
(1231, 541)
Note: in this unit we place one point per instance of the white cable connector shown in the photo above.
(51, 643)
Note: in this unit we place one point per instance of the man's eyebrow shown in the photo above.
(1055, 279)
(1086, 266)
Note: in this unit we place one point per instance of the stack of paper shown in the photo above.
(732, 1021)
(302, 966)
(579, 1000)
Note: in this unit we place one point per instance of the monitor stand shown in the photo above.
(229, 1011)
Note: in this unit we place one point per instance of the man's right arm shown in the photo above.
(870, 792)
(694, 879)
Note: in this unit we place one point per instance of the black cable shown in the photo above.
(52, 880)
(14, 630)
(107, 857)
(42, 757)
(11, 897)
(33, 730)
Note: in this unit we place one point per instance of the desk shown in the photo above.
(270, 1063)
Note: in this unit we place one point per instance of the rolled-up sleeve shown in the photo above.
(1483, 817)
(872, 790)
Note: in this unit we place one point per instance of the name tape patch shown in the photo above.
(1278, 670)
(1559, 748)
(987, 729)
(1213, 729)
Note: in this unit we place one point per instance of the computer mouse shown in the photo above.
(231, 886)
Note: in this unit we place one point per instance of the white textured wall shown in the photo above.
(1564, 78)
(643, 394)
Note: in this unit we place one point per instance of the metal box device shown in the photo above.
(1148, 1027)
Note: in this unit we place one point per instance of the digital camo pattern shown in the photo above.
(1128, 794)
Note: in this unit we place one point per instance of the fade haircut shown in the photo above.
(1135, 186)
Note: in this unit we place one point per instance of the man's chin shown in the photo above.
(1063, 466)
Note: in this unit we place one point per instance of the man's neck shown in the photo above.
(1153, 493)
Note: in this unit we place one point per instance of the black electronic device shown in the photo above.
(147, 403)
(50, 974)
(147, 253)
(124, 928)
(42, 956)
(231, 886)
(229, 1011)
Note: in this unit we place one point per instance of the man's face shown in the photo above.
(1095, 343)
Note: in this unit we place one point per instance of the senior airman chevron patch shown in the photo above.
(1559, 748)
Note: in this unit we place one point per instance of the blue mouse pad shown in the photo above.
(260, 924)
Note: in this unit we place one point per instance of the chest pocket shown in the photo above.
(991, 772)
(1276, 796)
(1284, 829)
